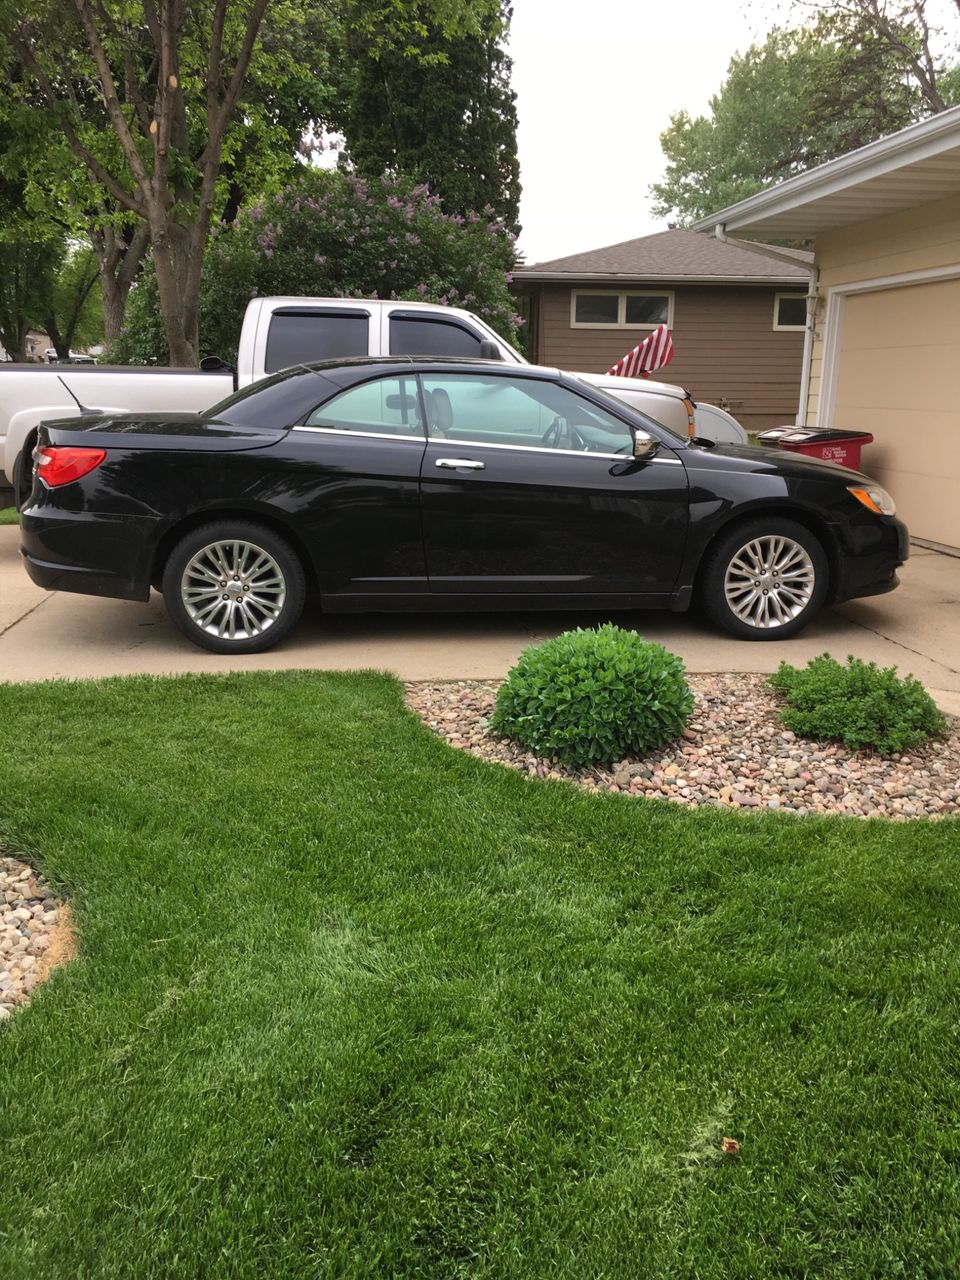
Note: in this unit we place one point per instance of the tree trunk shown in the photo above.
(59, 341)
(173, 262)
(114, 306)
(119, 261)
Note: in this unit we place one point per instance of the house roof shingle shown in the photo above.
(674, 255)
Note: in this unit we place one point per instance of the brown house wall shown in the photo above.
(726, 349)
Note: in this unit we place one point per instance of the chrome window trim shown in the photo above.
(367, 435)
(484, 444)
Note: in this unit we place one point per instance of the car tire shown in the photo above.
(764, 579)
(234, 586)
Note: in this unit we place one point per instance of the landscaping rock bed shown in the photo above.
(734, 753)
(35, 933)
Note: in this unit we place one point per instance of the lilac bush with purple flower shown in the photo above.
(331, 234)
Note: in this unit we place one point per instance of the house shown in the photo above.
(883, 349)
(737, 316)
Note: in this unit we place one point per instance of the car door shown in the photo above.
(352, 479)
(528, 487)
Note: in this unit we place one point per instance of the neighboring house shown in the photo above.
(884, 349)
(35, 345)
(737, 317)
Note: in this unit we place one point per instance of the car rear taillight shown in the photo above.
(57, 465)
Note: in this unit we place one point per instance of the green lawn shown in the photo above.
(351, 1003)
(9, 516)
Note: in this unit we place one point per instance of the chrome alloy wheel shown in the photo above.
(769, 581)
(233, 590)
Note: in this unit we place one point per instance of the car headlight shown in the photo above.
(874, 498)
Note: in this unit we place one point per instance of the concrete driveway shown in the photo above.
(46, 635)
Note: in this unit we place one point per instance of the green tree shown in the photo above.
(168, 76)
(796, 100)
(906, 30)
(180, 84)
(449, 120)
(331, 234)
(72, 307)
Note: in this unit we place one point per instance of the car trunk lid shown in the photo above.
(159, 431)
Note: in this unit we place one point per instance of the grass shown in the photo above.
(352, 1004)
(9, 515)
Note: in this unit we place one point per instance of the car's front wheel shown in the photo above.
(234, 587)
(765, 579)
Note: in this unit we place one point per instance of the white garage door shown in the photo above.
(899, 377)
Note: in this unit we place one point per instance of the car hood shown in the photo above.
(194, 431)
(741, 457)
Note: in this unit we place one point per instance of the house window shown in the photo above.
(790, 311)
(603, 309)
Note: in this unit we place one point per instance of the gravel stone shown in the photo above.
(28, 920)
(734, 753)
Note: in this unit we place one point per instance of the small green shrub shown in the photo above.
(591, 697)
(866, 708)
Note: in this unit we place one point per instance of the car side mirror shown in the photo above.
(644, 445)
(489, 350)
(214, 364)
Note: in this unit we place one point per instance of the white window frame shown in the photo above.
(622, 294)
(787, 328)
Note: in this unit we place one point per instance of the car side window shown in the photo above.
(386, 406)
(530, 412)
(298, 335)
(412, 336)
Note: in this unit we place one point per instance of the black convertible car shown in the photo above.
(442, 484)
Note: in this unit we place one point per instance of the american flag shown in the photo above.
(652, 353)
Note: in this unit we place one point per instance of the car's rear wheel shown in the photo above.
(234, 587)
(765, 579)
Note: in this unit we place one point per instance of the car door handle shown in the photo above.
(460, 464)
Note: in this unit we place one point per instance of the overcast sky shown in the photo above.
(596, 83)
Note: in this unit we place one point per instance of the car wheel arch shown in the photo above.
(179, 528)
(814, 523)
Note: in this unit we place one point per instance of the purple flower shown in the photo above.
(412, 239)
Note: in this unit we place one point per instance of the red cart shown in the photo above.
(842, 447)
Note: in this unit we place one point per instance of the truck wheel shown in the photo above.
(765, 579)
(233, 586)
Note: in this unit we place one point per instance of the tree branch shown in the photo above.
(111, 100)
(106, 179)
(254, 19)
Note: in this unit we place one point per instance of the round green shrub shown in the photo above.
(590, 697)
(860, 705)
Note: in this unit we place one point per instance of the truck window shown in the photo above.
(299, 335)
(415, 337)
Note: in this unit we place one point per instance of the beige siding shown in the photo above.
(726, 348)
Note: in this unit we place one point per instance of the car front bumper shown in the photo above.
(871, 557)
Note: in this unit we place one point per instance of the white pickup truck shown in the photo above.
(278, 332)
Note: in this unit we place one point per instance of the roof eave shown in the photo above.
(594, 277)
(917, 142)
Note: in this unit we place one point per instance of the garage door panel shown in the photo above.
(911, 381)
(897, 377)
(916, 315)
